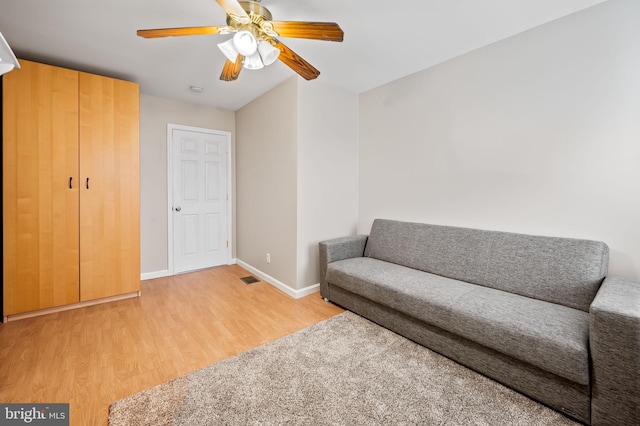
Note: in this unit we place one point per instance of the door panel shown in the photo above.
(199, 162)
(40, 211)
(212, 226)
(110, 182)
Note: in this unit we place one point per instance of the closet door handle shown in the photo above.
(87, 183)
(70, 179)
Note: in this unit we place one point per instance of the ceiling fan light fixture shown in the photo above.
(253, 62)
(245, 43)
(268, 52)
(8, 60)
(229, 50)
(5, 67)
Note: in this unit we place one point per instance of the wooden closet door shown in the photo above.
(110, 182)
(40, 210)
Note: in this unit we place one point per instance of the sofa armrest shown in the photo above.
(338, 249)
(614, 335)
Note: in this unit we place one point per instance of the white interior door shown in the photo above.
(199, 183)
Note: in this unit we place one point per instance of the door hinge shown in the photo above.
(227, 243)
(227, 196)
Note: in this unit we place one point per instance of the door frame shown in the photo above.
(170, 128)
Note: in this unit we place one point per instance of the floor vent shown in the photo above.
(249, 280)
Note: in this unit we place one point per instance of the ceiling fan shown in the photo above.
(254, 43)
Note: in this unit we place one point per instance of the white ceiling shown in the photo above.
(384, 40)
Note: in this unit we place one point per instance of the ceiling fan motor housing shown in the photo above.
(259, 16)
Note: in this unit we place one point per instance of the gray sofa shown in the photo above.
(538, 314)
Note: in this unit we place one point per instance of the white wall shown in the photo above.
(266, 182)
(327, 172)
(155, 113)
(539, 133)
(297, 179)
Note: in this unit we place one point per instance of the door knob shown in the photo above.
(178, 208)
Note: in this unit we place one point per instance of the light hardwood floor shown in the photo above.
(93, 356)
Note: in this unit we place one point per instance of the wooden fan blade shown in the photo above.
(233, 8)
(186, 31)
(329, 31)
(231, 70)
(295, 62)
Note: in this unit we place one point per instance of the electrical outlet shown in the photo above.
(268, 257)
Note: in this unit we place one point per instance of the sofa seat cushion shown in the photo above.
(552, 337)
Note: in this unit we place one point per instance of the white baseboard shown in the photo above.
(165, 273)
(307, 290)
(296, 294)
(152, 275)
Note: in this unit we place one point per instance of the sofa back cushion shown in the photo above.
(558, 270)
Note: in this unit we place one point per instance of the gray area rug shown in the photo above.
(343, 371)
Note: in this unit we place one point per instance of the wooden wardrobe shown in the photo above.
(70, 189)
